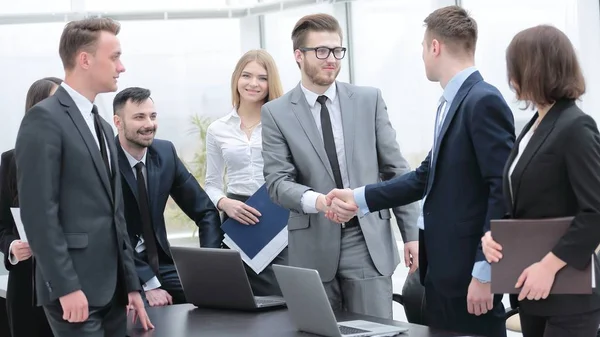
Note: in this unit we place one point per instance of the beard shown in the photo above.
(136, 137)
(319, 77)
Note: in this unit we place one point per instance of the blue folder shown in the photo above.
(253, 238)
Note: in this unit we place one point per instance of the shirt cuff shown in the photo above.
(11, 257)
(309, 202)
(482, 271)
(361, 201)
(153, 283)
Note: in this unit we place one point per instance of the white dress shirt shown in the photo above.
(522, 146)
(229, 151)
(85, 107)
(153, 283)
(309, 198)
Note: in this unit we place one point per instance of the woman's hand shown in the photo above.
(239, 211)
(538, 278)
(20, 250)
(491, 249)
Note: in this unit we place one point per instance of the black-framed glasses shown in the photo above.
(323, 53)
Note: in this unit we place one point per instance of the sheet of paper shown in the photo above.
(16, 213)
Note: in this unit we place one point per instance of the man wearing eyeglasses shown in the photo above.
(323, 135)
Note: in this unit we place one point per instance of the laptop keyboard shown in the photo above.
(346, 330)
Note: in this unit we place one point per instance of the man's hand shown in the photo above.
(20, 250)
(411, 255)
(137, 305)
(158, 297)
(479, 297)
(322, 204)
(75, 307)
(342, 205)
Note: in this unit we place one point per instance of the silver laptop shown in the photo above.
(311, 312)
(216, 278)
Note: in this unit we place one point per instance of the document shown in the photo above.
(266, 255)
(526, 241)
(259, 244)
(251, 239)
(16, 213)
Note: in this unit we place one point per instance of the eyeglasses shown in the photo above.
(323, 53)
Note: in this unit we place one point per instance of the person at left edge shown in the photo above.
(151, 171)
(70, 196)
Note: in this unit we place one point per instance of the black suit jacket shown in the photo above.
(72, 215)
(558, 175)
(463, 183)
(8, 199)
(167, 176)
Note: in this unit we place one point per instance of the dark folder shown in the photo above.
(526, 241)
(253, 238)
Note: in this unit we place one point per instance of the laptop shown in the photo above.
(216, 278)
(311, 312)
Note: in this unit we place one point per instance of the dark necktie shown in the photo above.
(147, 229)
(329, 142)
(101, 142)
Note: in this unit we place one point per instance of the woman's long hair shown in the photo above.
(38, 91)
(264, 59)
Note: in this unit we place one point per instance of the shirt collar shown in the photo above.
(132, 161)
(456, 82)
(83, 104)
(234, 115)
(311, 97)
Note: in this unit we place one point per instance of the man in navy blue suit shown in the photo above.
(151, 172)
(460, 182)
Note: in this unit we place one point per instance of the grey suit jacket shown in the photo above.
(73, 220)
(295, 161)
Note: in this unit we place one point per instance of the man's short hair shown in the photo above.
(136, 95)
(453, 26)
(82, 35)
(543, 65)
(314, 23)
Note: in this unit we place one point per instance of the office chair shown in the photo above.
(412, 300)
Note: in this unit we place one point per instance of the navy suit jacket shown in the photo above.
(167, 176)
(462, 180)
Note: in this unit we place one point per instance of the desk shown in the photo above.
(185, 320)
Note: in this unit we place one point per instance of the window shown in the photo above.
(498, 22)
(387, 53)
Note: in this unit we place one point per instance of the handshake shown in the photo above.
(338, 205)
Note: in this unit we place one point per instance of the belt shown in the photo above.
(351, 223)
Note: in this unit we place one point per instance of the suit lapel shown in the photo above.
(348, 124)
(506, 182)
(537, 139)
(302, 111)
(460, 96)
(86, 134)
(126, 170)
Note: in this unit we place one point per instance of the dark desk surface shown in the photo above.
(185, 320)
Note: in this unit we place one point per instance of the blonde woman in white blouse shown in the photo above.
(234, 152)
